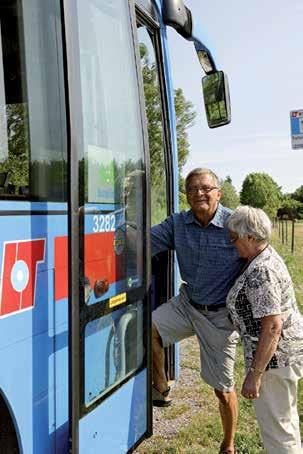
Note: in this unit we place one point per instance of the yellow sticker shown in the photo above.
(116, 300)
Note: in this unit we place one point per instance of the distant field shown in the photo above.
(294, 263)
(202, 432)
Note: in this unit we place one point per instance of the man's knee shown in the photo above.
(226, 398)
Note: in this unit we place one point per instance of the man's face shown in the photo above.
(203, 195)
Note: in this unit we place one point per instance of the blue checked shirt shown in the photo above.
(208, 262)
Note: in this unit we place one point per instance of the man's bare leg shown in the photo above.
(228, 406)
(159, 376)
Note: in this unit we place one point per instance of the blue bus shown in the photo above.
(81, 181)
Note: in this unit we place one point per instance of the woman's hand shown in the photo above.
(251, 386)
(271, 327)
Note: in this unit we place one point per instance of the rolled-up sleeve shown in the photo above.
(162, 236)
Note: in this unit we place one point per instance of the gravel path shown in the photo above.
(183, 393)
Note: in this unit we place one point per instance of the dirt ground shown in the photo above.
(166, 422)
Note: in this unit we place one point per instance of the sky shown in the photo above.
(259, 46)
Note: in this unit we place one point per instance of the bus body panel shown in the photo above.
(34, 339)
(128, 405)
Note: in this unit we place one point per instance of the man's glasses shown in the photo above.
(204, 189)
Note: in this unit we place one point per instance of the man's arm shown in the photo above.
(162, 236)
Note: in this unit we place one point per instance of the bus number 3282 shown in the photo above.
(104, 223)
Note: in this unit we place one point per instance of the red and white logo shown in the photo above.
(19, 274)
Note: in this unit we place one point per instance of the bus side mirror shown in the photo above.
(216, 99)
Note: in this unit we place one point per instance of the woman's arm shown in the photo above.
(271, 327)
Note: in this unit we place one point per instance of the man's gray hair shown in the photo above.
(246, 220)
(202, 171)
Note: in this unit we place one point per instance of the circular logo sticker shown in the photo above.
(19, 276)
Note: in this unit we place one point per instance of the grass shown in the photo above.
(176, 410)
(203, 433)
(294, 262)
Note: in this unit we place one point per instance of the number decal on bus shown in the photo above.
(104, 223)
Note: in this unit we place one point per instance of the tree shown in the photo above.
(17, 161)
(155, 136)
(261, 191)
(185, 116)
(229, 198)
(297, 202)
(154, 117)
(183, 204)
(290, 208)
(298, 194)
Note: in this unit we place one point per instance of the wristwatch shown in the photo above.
(256, 372)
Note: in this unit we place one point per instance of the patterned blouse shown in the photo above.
(265, 288)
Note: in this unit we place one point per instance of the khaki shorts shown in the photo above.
(178, 319)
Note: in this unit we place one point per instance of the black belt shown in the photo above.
(207, 308)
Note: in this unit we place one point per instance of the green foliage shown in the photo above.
(185, 116)
(229, 198)
(214, 98)
(155, 137)
(294, 261)
(154, 117)
(290, 208)
(48, 180)
(47, 177)
(298, 194)
(16, 163)
(158, 205)
(261, 191)
(183, 204)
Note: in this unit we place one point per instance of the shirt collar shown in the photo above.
(218, 220)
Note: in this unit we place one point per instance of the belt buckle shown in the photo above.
(205, 308)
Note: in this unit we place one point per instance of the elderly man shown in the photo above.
(208, 264)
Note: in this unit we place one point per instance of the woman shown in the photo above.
(263, 308)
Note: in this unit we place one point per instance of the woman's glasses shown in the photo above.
(233, 239)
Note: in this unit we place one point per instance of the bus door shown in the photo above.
(109, 252)
(163, 190)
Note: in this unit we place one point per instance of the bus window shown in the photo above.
(113, 349)
(160, 160)
(155, 126)
(32, 120)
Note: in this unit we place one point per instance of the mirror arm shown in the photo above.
(177, 15)
(200, 47)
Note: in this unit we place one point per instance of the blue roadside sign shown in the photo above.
(296, 127)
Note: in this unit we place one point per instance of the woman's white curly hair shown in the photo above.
(247, 220)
